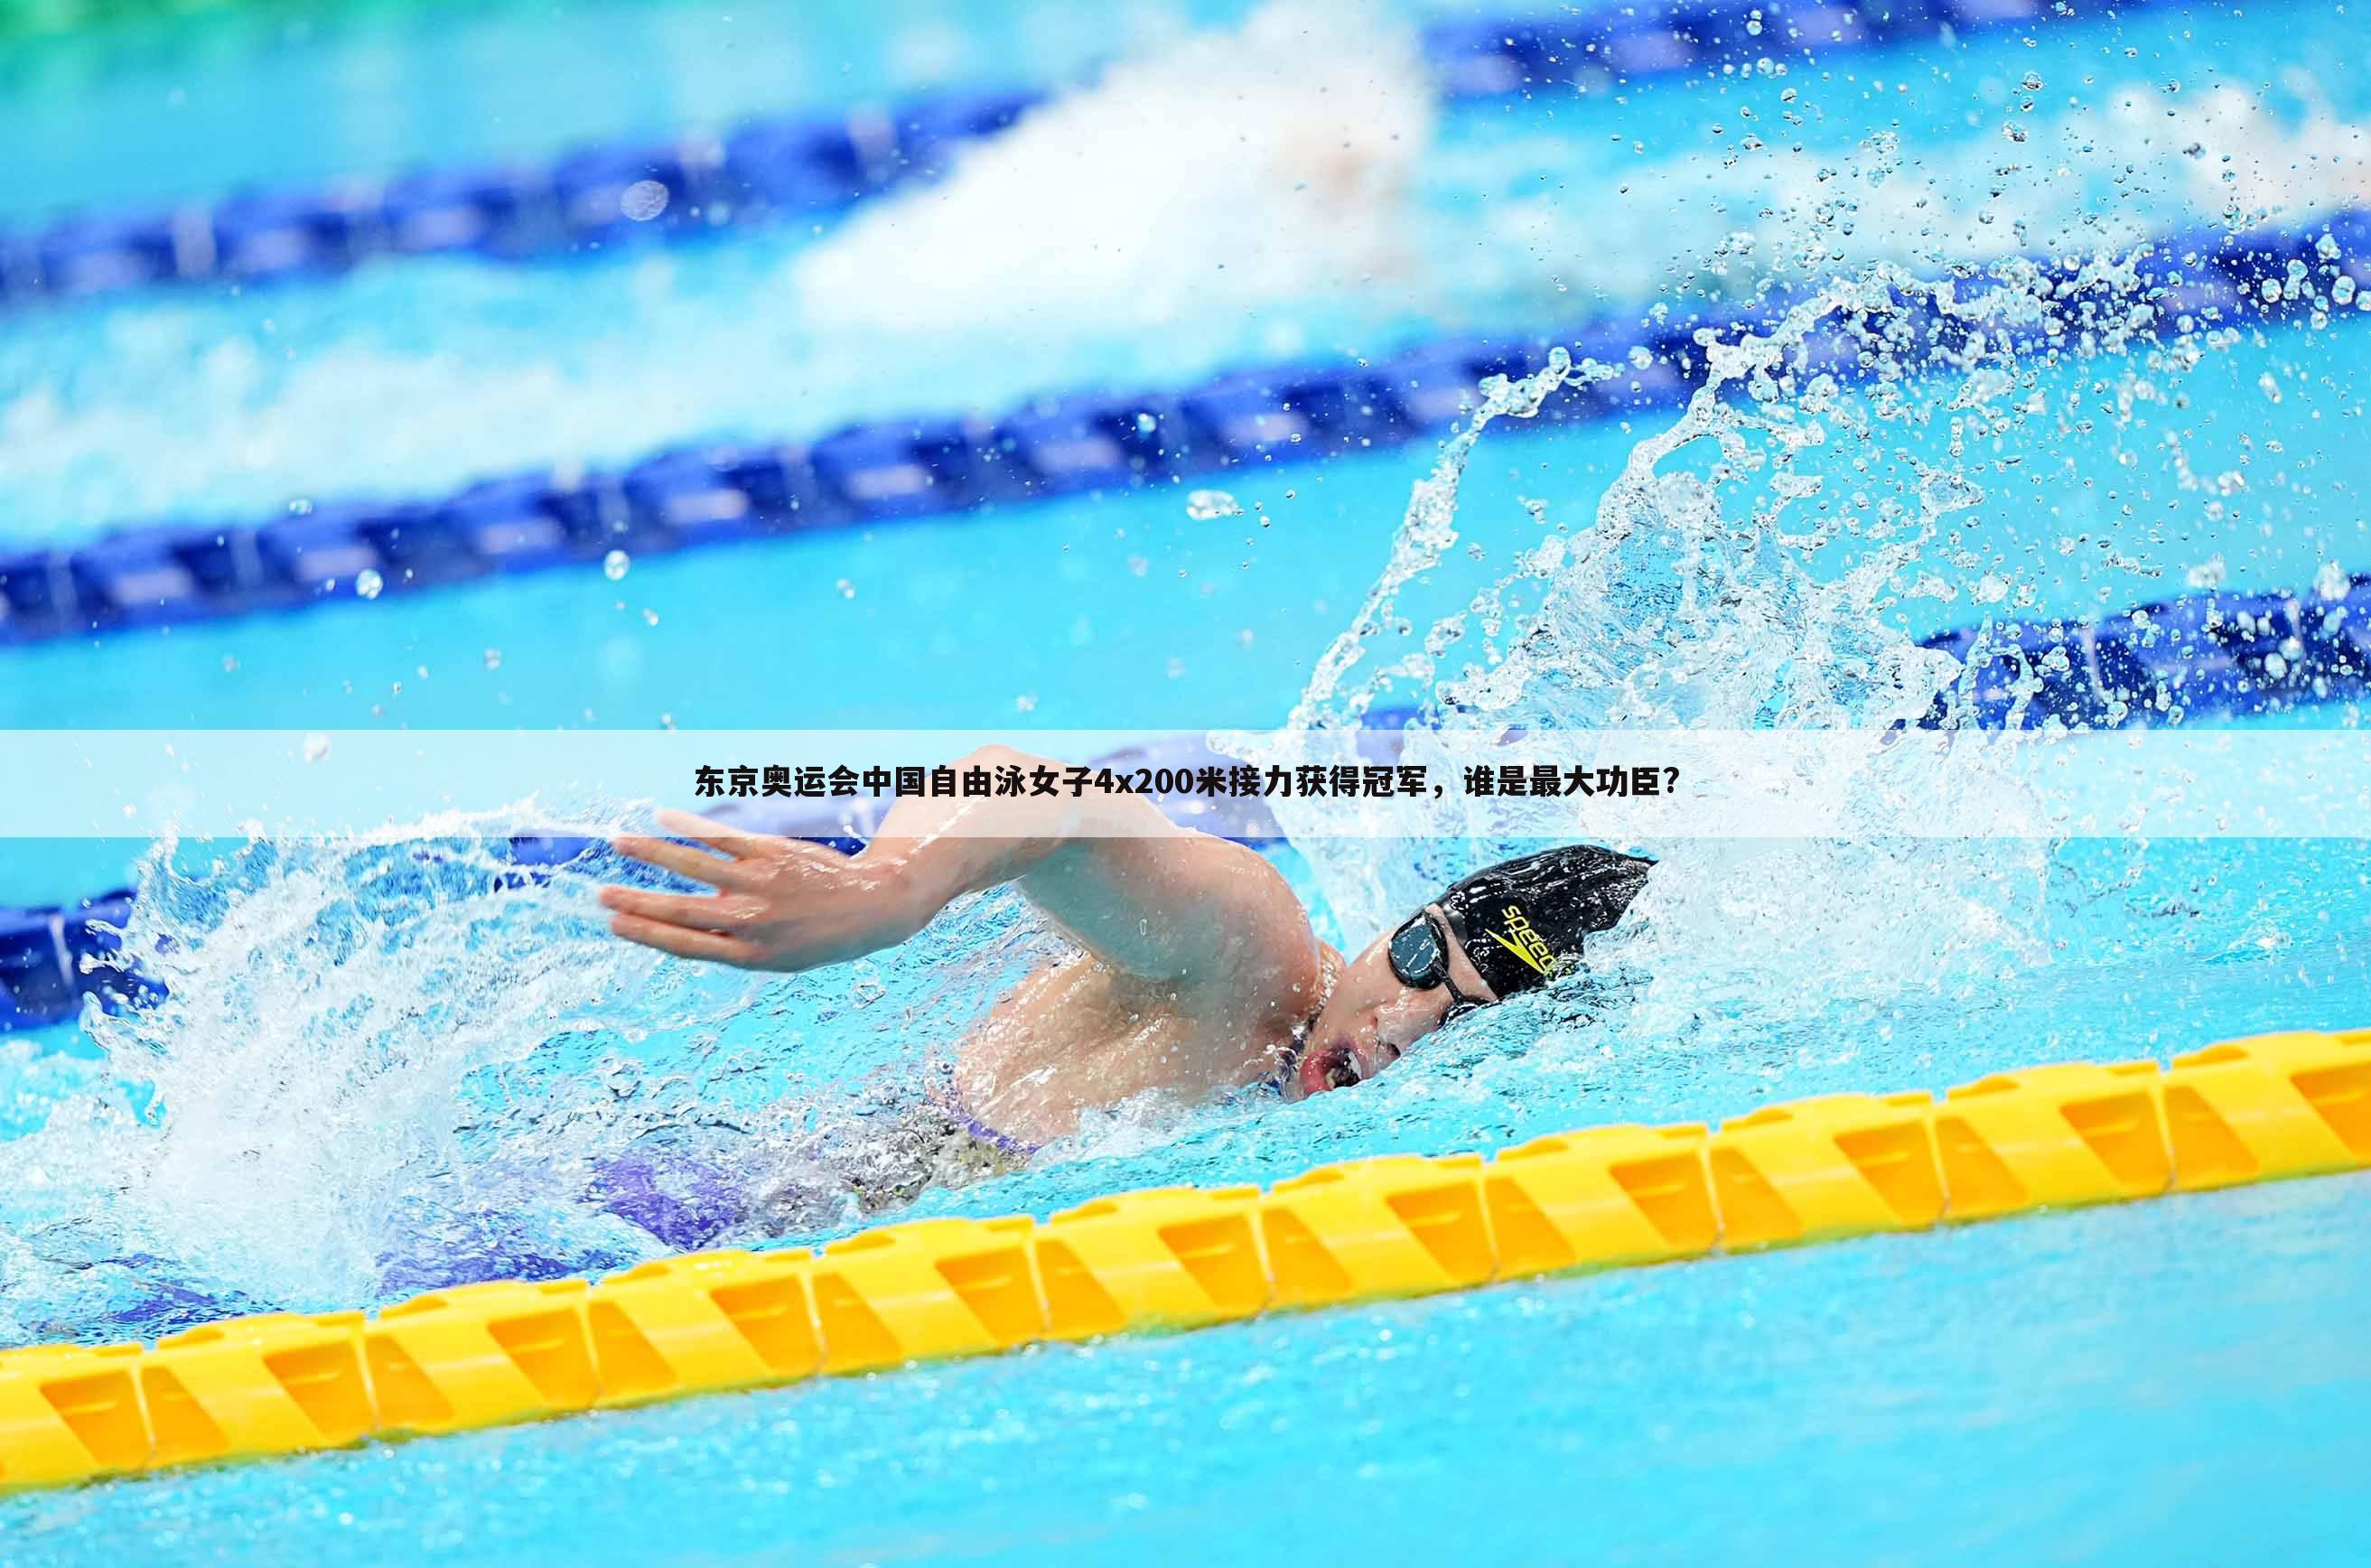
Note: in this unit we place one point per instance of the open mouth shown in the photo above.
(1332, 1068)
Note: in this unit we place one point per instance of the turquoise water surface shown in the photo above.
(2178, 1383)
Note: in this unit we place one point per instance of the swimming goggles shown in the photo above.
(1420, 958)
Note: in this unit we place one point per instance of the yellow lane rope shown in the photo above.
(2254, 1110)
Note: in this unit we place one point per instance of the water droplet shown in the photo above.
(1147, 424)
(847, 589)
(1204, 504)
(865, 986)
(1025, 703)
(614, 564)
(493, 658)
(650, 617)
(317, 746)
(642, 200)
(2331, 582)
(230, 663)
(367, 583)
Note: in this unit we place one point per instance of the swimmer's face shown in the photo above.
(1373, 1019)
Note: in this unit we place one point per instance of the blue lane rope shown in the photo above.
(1081, 444)
(2153, 664)
(808, 167)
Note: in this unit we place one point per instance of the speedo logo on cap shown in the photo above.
(1524, 942)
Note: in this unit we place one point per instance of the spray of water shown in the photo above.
(1250, 167)
(390, 1061)
(395, 1061)
(1738, 574)
(2050, 175)
(1275, 189)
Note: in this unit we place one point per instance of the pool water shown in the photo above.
(2174, 1383)
(195, 107)
(1124, 612)
(386, 1066)
(2177, 1376)
(411, 378)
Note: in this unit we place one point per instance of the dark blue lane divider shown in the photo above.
(42, 975)
(2159, 663)
(2156, 664)
(924, 466)
(590, 200)
(807, 167)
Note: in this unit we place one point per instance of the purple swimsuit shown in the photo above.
(940, 1091)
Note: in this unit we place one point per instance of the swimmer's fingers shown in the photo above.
(699, 913)
(681, 858)
(685, 942)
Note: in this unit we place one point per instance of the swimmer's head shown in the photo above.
(1501, 931)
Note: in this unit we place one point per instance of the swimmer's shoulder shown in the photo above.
(1264, 968)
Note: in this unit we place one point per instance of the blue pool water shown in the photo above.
(410, 378)
(2150, 1381)
(2175, 1384)
(1113, 612)
(383, 1070)
(194, 108)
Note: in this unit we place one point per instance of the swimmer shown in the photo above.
(1193, 969)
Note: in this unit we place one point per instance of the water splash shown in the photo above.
(1230, 182)
(392, 1062)
(1739, 574)
(1251, 167)
(2141, 160)
(420, 378)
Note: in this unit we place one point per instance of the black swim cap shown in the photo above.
(1521, 920)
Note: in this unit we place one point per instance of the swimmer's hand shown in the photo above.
(780, 903)
(1210, 921)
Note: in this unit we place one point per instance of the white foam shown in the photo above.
(1237, 168)
(2131, 170)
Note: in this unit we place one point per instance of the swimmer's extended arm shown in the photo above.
(1148, 898)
